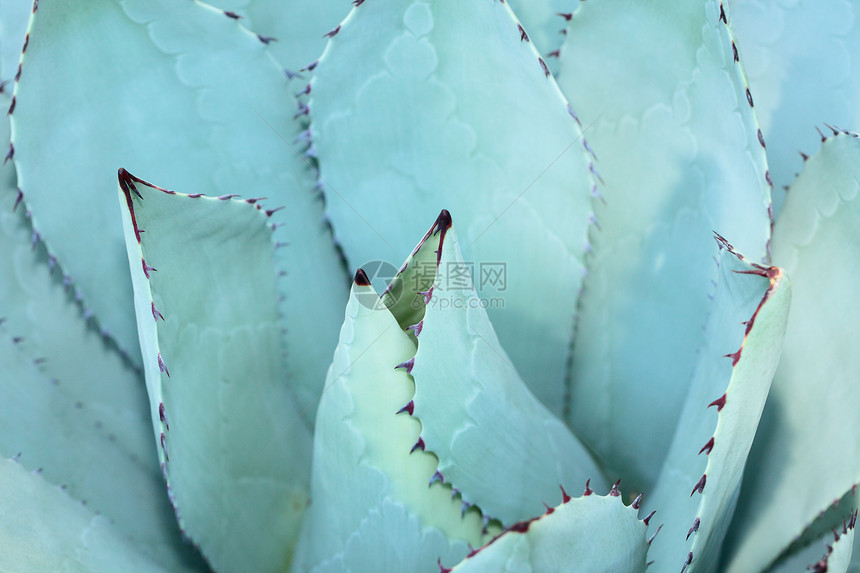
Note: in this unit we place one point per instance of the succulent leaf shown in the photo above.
(376, 503)
(37, 303)
(193, 100)
(697, 487)
(671, 119)
(839, 555)
(43, 529)
(810, 556)
(589, 533)
(821, 216)
(496, 443)
(809, 542)
(228, 431)
(66, 442)
(74, 409)
(419, 106)
(803, 60)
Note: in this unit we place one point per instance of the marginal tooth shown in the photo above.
(155, 314)
(564, 495)
(719, 403)
(163, 415)
(588, 491)
(637, 501)
(416, 328)
(436, 477)
(687, 561)
(700, 485)
(428, 294)
(648, 517)
(614, 491)
(407, 365)
(161, 365)
(418, 445)
(694, 528)
(408, 408)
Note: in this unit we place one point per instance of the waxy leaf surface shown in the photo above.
(803, 64)
(234, 449)
(668, 116)
(419, 106)
(809, 432)
(496, 443)
(589, 533)
(376, 505)
(697, 488)
(191, 100)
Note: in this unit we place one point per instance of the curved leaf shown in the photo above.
(372, 508)
(72, 407)
(193, 100)
(589, 533)
(697, 488)
(496, 443)
(419, 106)
(803, 63)
(230, 438)
(808, 430)
(676, 137)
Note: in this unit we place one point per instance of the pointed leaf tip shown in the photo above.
(361, 278)
(444, 221)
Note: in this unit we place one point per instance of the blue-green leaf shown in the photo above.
(420, 106)
(808, 429)
(697, 488)
(232, 444)
(669, 117)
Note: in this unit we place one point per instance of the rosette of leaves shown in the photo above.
(224, 369)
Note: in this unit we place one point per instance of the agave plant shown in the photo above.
(605, 301)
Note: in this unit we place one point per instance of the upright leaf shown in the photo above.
(803, 63)
(671, 119)
(376, 505)
(419, 106)
(191, 99)
(809, 430)
(73, 408)
(233, 447)
(496, 443)
(697, 488)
